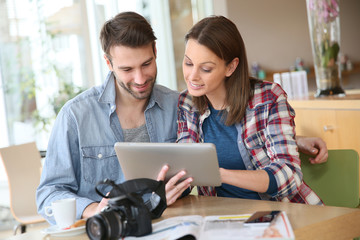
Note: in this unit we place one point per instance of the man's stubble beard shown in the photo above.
(136, 95)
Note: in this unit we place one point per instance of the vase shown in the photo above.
(324, 28)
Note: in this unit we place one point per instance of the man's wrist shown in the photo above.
(90, 210)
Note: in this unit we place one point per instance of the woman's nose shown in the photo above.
(193, 75)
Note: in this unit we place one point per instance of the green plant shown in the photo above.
(67, 91)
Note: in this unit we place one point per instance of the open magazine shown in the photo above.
(218, 227)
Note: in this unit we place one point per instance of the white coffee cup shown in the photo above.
(64, 212)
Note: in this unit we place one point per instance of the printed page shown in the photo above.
(174, 228)
(231, 227)
(226, 227)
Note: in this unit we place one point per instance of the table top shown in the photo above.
(308, 222)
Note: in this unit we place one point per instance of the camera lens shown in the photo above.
(95, 228)
(106, 225)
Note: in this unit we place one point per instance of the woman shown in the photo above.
(249, 121)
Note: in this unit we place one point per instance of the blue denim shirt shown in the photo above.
(81, 148)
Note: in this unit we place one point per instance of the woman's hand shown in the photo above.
(313, 146)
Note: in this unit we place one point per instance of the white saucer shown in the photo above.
(55, 231)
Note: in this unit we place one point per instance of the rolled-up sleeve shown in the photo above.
(281, 148)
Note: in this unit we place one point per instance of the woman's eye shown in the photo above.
(206, 70)
(188, 64)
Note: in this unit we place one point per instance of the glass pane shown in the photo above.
(41, 46)
(184, 14)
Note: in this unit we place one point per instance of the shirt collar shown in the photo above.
(108, 93)
(156, 97)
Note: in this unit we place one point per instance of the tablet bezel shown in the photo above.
(145, 160)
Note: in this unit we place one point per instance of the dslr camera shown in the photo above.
(131, 207)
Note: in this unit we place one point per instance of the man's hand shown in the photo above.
(94, 208)
(314, 146)
(173, 187)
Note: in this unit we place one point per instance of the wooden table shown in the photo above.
(308, 222)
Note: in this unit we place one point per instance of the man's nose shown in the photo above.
(140, 77)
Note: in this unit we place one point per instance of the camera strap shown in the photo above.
(151, 191)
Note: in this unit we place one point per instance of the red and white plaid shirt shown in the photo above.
(266, 139)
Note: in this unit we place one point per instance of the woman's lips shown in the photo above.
(195, 86)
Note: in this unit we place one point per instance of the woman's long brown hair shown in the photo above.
(222, 37)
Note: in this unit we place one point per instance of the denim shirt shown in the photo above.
(81, 147)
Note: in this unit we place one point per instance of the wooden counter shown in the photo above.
(334, 119)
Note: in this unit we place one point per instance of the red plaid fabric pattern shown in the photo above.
(268, 134)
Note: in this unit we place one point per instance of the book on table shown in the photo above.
(219, 227)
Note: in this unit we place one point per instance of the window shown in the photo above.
(50, 50)
(40, 52)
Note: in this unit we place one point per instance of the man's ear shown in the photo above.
(232, 66)
(155, 50)
(108, 62)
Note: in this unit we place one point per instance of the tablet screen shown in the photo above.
(145, 160)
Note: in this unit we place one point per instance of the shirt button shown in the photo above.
(249, 167)
(99, 155)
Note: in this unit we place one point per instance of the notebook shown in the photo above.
(144, 160)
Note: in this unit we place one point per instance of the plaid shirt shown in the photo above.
(266, 139)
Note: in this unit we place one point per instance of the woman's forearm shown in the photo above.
(254, 180)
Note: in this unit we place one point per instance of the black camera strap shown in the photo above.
(151, 191)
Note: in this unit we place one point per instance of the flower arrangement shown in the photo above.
(324, 26)
(324, 14)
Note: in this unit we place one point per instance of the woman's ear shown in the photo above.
(232, 66)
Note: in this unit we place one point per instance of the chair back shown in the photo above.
(336, 181)
(23, 165)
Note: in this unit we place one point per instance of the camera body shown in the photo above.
(122, 217)
(130, 210)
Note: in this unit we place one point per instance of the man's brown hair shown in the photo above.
(127, 29)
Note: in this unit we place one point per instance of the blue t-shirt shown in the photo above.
(225, 139)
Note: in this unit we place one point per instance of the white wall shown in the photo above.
(276, 32)
(220, 7)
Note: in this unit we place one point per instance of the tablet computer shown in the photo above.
(145, 160)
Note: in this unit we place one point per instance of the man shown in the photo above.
(128, 107)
